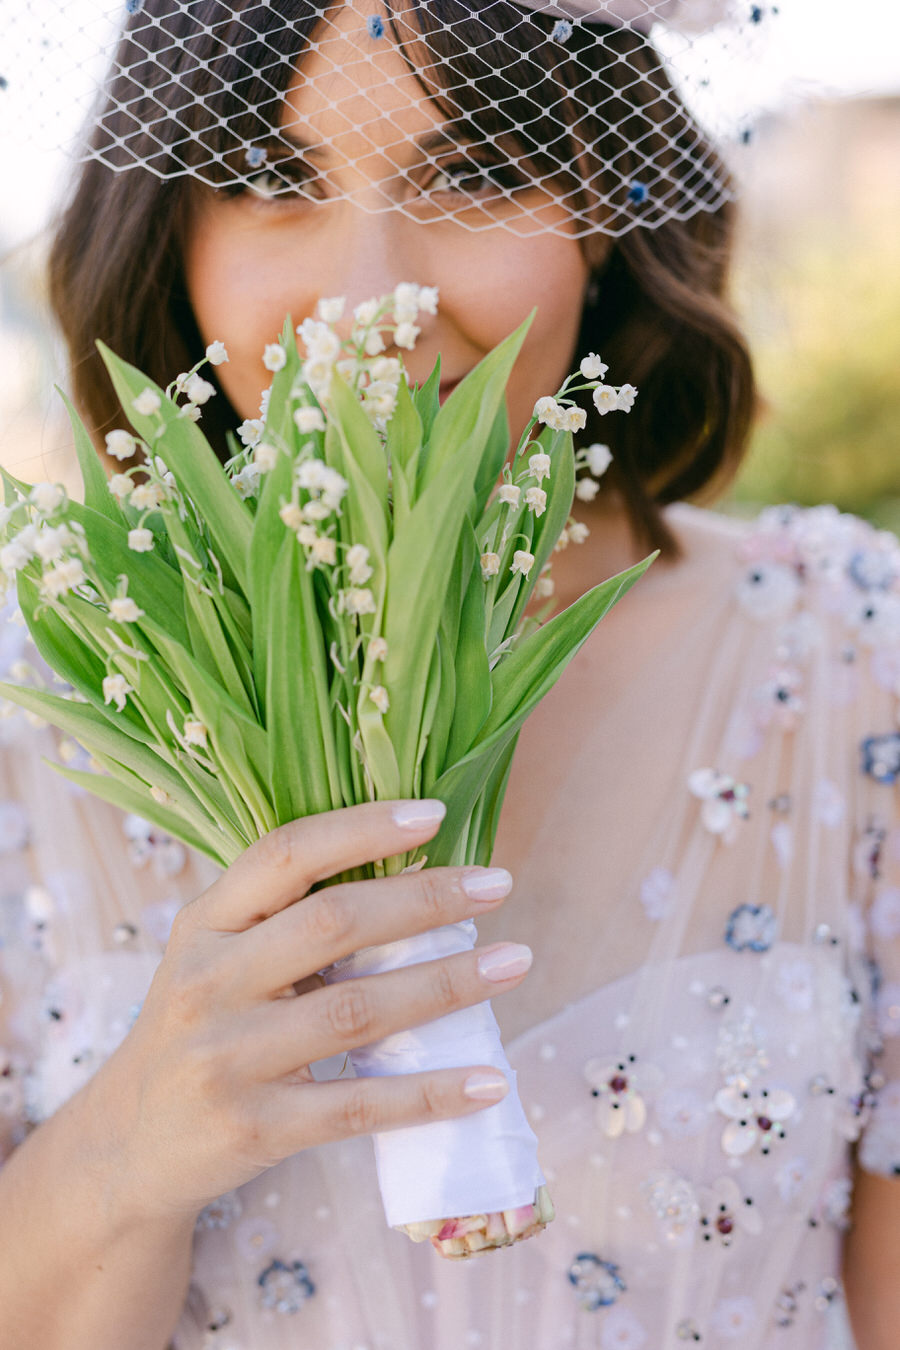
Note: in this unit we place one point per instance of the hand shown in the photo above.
(212, 1085)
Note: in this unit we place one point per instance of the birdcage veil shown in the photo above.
(574, 115)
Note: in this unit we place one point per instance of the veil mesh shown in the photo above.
(574, 116)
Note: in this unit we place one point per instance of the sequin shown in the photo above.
(751, 928)
(688, 1330)
(285, 1287)
(221, 1212)
(881, 757)
(597, 1283)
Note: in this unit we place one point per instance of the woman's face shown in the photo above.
(251, 259)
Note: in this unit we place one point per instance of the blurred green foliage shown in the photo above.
(829, 367)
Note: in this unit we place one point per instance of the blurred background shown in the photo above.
(817, 281)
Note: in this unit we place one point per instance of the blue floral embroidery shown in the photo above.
(375, 26)
(256, 156)
(881, 757)
(562, 30)
(638, 192)
(751, 928)
(598, 1282)
(285, 1288)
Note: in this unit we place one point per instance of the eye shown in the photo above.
(475, 176)
(280, 182)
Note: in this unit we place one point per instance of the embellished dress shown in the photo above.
(710, 880)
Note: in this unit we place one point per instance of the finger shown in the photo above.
(281, 867)
(283, 1033)
(334, 922)
(356, 1106)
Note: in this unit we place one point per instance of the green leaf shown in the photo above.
(62, 649)
(303, 774)
(365, 506)
(428, 400)
(473, 675)
(97, 734)
(269, 535)
(192, 460)
(153, 584)
(421, 554)
(115, 788)
(470, 410)
(520, 682)
(96, 486)
(239, 742)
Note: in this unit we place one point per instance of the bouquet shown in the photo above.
(337, 615)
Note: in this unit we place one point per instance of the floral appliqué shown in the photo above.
(619, 1086)
(751, 928)
(724, 801)
(755, 1117)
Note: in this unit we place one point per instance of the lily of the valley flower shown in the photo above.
(599, 458)
(377, 649)
(536, 500)
(586, 489)
(308, 419)
(250, 431)
(358, 562)
(195, 733)
(115, 689)
(216, 353)
(198, 390)
(47, 497)
(592, 368)
(146, 403)
(490, 564)
(539, 466)
(332, 309)
(405, 335)
(120, 444)
(379, 697)
(140, 540)
(358, 600)
(121, 486)
(509, 493)
(606, 399)
(523, 561)
(63, 577)
(274, 357)
(124, 610)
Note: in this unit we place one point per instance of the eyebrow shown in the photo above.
(432, 140)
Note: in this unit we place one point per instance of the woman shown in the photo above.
(701, 869)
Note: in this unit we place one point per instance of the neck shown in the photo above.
(610, 548)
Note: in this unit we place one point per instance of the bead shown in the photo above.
(687, 1330)
(597, 1282)
(285, 1287)
(124, 932)
(718, 998)
(218, 1318)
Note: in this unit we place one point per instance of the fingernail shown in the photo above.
(416, 815)
(485, 1087)
(491, 884)
(513, 958)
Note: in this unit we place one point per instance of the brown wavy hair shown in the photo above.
(200, 83)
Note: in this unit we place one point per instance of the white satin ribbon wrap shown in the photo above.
(472, 1164)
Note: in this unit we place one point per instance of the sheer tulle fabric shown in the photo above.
(696, 1045)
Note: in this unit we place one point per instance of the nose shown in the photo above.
(369, 252)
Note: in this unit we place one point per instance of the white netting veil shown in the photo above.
(575, 116)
